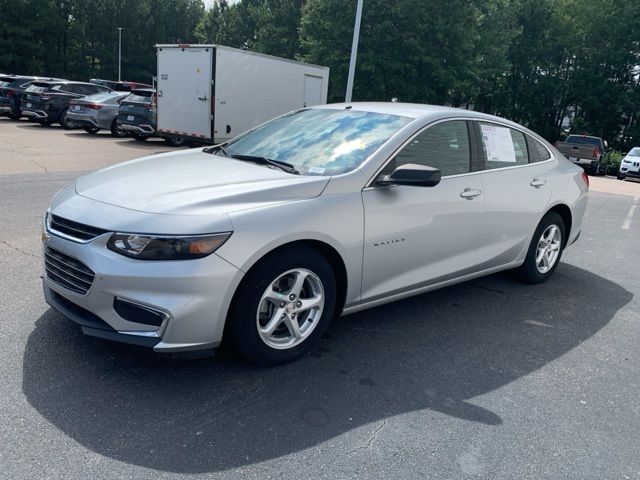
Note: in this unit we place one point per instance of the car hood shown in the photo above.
(193, 182)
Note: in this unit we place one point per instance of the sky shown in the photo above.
(208, 3)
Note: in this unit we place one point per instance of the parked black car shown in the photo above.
(12, 88)
(48, 102)
(137, 114)
(121, 85)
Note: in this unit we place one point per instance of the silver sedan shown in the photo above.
(96, 112)
(321, 212)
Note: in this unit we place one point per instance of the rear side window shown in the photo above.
(503, 146)
(444, 146)
(537, 151)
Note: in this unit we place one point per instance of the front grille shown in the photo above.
(73, 229)
(68, 272)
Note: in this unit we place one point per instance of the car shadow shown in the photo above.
(434, 351)
(38, 126)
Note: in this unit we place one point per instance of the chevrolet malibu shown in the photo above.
(320, 212)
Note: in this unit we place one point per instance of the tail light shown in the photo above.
(585, 178)
(10, 94)
(94, 106)
(596, 152)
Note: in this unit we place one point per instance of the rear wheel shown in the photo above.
(116, 131)
(91, 130)
(545, 249)
(64, 122)
(283, 306)
(14, 116)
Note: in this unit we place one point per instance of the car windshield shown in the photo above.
(101, 97)
(634, 152)
(583, 140)
(40, 88)
(319, 141)
(136, 98)
(5, 82)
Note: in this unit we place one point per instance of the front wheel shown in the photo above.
(620, 177)
(545, 249)
(283, 306)
(140, 138)
(91, 130)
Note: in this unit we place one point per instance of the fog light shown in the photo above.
(134, 312)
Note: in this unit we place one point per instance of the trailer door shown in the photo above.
(312, 90)
(184, 91)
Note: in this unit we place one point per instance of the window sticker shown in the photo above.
(319, 170)
(498, 144)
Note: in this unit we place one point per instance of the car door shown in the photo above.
(516, 174)
(416, 236)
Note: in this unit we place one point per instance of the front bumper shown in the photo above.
(195, 294)
(628, 172)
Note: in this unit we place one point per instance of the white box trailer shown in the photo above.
(211, 93)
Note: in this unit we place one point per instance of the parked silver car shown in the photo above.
(323, 211)
(96, 112)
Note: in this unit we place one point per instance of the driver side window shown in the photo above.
(444, 146)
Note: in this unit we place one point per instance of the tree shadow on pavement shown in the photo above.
(434, 351)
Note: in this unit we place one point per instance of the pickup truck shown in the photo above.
(588, 152)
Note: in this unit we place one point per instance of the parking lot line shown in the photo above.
(632, 209)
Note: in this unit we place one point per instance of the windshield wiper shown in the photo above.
(284, 166)
(217, 149)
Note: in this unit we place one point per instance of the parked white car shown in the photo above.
(630, 164)
(323, 211)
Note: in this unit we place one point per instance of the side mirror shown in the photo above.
(412, 175)
(606, 145)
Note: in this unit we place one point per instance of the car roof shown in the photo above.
(417, 110)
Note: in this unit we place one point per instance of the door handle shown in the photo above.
(538, 182)
(470, 193)
(203, 99)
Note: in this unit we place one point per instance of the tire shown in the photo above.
(529, 271)
(91, 130)
(620, 177)
(175, 142)
(139, 138)
(63, 120)
(595, 170)
(14, 116)
(251, 308)
(115, 131)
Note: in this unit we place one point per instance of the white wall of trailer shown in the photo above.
(252, 88)
(184, 87)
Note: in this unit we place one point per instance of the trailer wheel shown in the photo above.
(175, 142)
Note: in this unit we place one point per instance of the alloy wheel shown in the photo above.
(548, 248)
(290, 308)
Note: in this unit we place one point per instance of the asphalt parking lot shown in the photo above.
(486, 379)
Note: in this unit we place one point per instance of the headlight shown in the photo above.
(151, 247)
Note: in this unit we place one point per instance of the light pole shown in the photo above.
(354, 52)
(119, 53)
